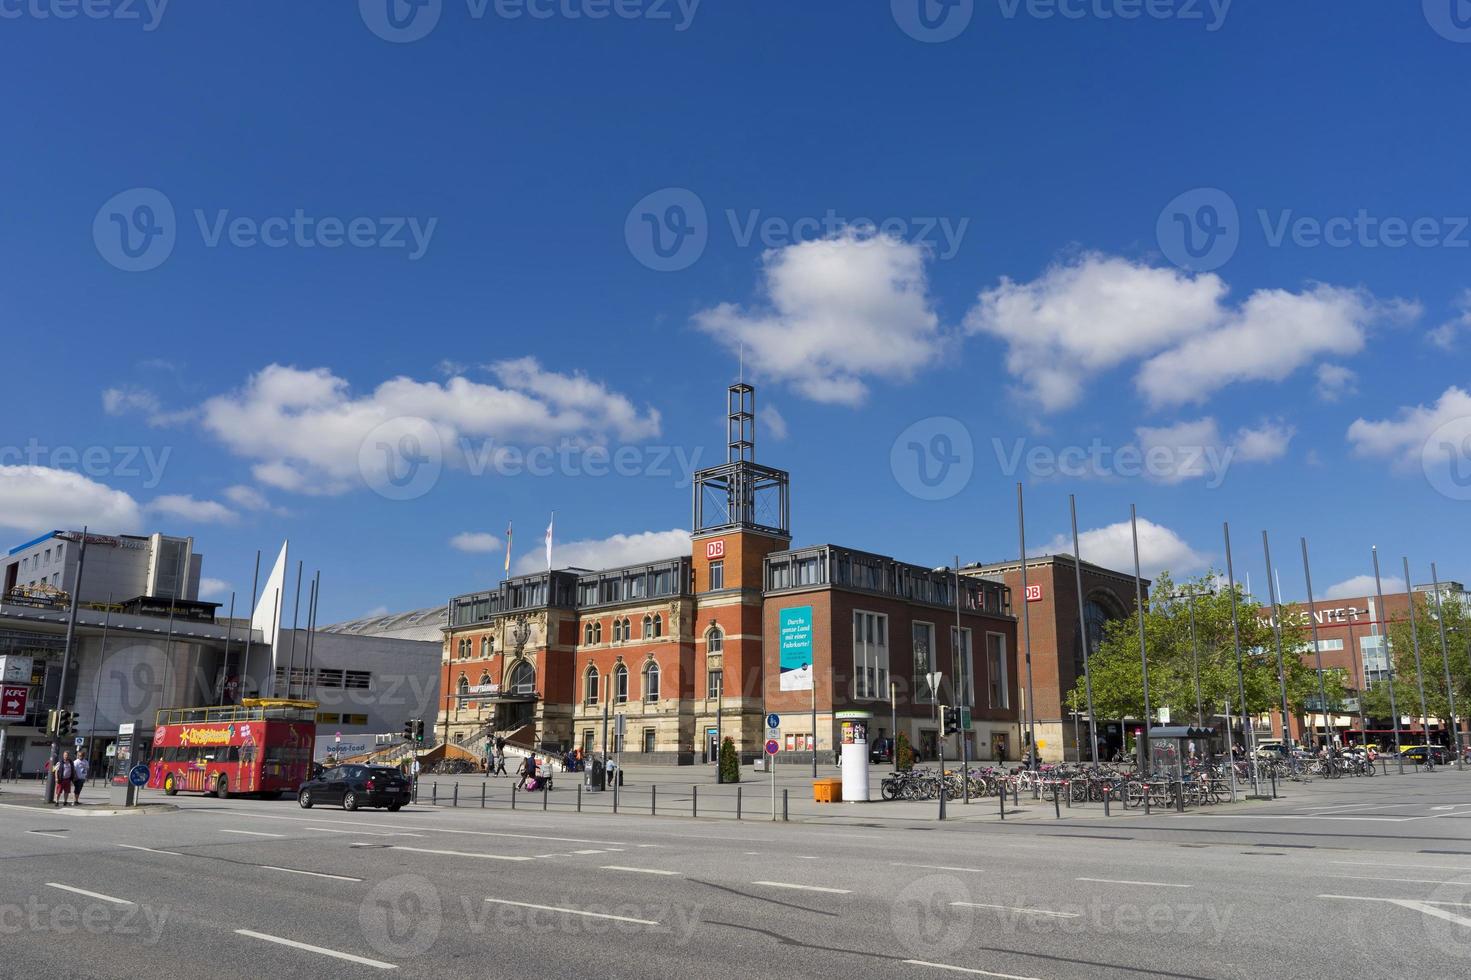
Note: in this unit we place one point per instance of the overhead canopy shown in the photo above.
(1181, 731)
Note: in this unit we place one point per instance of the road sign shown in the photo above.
(773, 720)
(80, 741)
(772, 746)
(1034, 593)
(620, 726)
(13, 702)
(337, 737)
(138, 775)
(773, 733)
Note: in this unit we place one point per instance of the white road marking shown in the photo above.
(642, 871)
(803, 888)
(463, 854)
(314, 874)
(442, 830)
(964, 969)
(593, 851)
(1402, 866)
(360, 833)
(97, 895)
(251, 833)
(150, 850)
(335, 954)
(1122, 881)
(1008, 908)
(42, 833)
(590, 915)
(1427, 908)
(1405, 881)
(937, 867)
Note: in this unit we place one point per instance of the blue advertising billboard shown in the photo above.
(795, 639)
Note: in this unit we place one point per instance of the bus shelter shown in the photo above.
(1170, 748)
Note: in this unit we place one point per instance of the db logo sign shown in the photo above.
(1034, 593)
(715, 549)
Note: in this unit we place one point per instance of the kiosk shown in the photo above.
(853, 727)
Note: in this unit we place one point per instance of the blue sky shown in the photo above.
(461, 252)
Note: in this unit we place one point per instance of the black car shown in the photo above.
(1440, 755)
(355, 786)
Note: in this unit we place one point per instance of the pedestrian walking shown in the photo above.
(81, 772)
(63, 773)
(526, 771)
(500, 764)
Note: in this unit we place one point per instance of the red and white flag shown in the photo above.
(550, 522)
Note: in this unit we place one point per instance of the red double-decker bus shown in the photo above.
(263, 746)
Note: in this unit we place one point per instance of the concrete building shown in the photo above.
(119, 567)
(132, 658)
(695, 648)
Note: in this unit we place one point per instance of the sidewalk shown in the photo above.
(96, 802)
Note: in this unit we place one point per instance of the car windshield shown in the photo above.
(384, 772)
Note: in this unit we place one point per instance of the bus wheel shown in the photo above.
(222, 788)
(350, 801)
(305, 799)
(168, 785)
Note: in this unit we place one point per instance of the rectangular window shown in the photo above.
(964, 665)
(999, 685)
(359, 680)
(870, 655)
(712, 685)
(924, 662)
(717, 575)
(648, 739)
(622, 686)
(1324, 646)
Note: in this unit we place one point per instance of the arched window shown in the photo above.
(484, 681)
(648, 627)
(590, 686)
(651, 682)
(617, 630)
(463, 687)
(597, 632)
(715, 640)
(620, 684)
(627, 629)
(587, 633)
(523, 679)
(658, 626)
(487, 645)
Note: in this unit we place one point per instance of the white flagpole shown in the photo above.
(550, 522)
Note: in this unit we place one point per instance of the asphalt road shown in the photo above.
(1351, 878)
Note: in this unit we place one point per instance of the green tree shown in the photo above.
(730, 763)
(903, 752)
(1432, 663)
(1118, 688)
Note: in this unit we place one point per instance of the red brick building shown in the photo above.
(690, 649)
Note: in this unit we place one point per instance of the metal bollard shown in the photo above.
(1107, 792)
(513, 796)
(653, 801)
(1069, 787)
(695, 802)
(784, 814)
(456, 800)
(1179, 797)
(1002, 796)
(546, 785)
(579, 797)
(738, 803)
(615, 798)
(1274, 784)
(482, 796)
(1056, 806)
(434, 795)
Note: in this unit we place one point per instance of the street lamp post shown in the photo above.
(1317, 650)
(1388, 655)
(1248, 732)
(1083, 632)
(1139, 607)
(1277, 633)
(1021, 528)
(1419, 674)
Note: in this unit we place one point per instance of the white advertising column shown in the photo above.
(853, 730)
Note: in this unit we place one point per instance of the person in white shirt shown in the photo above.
(81, 772)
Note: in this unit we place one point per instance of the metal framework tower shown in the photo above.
(741, 494)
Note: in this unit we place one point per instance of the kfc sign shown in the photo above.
(1034, 593)
(715, 549)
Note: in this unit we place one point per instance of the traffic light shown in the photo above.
(53, 718)
(951, 719)
(66, 723)
(408, 731)
(419, 730)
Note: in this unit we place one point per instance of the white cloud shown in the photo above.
(1448, 334)
(1403, 439)
(187, 508)
(475, 542)
(249, 498)
(141, 401)
(1089, 315)
(1336, 382)
(1362, 585)
(1267, 338)
(771, 423)
(1263, 444)
(596, 553)
(1095, 313)
(837, 312)
(1193, 450)
(305, 427)
(1112, 547)
(34, 499)
(212, 587)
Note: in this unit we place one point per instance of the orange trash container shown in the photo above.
(827, 791)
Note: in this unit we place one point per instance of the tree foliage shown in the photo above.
(1118, 687)
(903, 752)
(730, 762)
(1432, 662)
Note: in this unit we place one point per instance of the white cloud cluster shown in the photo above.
(1336, 382)
(186, 508)
(141, 401)
(1363, 585)
(34, 499)
(305, 428)
(1095, 313)
(836, 312)
(475, 542)
(1198, 449)
(1403, 439)
(1447, 336)
(610, 552)
(1160, 549)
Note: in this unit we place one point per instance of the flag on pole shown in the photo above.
(508, 547)
(550, 522)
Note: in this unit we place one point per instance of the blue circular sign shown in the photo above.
(773, 721)
(138, 775)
